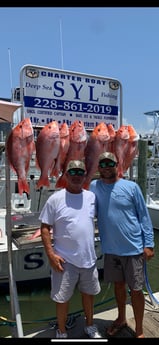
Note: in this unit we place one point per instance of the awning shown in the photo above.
(7, 110)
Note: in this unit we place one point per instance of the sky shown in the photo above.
(113, 42)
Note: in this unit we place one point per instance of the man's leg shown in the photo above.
(61, 314)
(138, 304)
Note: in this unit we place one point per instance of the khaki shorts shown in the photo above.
(64, 283)
(125, 268)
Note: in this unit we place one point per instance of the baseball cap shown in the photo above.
(107, 155)
(76, 164)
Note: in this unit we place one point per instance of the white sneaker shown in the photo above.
(92, 331)
(61, 335)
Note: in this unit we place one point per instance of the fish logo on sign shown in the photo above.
(114, 85)
(32, 73)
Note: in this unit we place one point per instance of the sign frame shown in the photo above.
(48, 94)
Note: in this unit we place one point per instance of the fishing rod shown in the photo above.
(153, 299)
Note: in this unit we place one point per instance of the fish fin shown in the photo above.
(23, 186)
(54, 173)
(55, 170)
(120, 174)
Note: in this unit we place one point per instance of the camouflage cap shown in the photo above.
(76, 164)
(107, 155)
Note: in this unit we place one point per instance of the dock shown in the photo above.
(103, 320)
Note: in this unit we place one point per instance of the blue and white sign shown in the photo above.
(50, 94)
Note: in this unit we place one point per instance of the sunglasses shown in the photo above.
(78, 172)
(110, 164)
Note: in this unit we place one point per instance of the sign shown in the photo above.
(50, 94)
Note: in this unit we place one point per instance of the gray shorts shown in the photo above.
(63, 283)
(125, 268)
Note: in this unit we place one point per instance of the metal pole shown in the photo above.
(121, 105)
(142, 166)
(17, 331)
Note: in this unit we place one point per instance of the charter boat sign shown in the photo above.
(50, 94)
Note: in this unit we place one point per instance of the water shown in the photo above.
(37, 310)
(153, 266)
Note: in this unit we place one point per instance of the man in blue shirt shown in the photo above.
(127, 238)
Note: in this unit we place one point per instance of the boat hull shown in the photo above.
(32, 263)
(29, 258)
(153, 209)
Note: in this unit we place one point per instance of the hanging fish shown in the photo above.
(20, 146)
(121, 146)
(78, 141)
(97, 143)
(47, 149)
(64, 146)
(132, 149)
(112, 134)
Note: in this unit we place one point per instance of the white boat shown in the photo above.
(152, 193)
(153, 208)
(28, 255)
(152, 199)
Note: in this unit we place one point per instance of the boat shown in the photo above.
(152, 187)
(152, 198)
(153, 208)
(145, 169)
(29, 258)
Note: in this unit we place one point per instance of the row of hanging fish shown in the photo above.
(57, 144)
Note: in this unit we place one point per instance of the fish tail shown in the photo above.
(86, 186)
(120, 174)
(61, 182)
(23, 186)
(54, 173)
(43, 182)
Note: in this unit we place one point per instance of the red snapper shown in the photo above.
(47, 149)
(20, 147)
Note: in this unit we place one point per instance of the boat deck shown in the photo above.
(103, 320)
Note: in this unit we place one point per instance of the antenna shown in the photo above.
(61, 44)
(10, 71)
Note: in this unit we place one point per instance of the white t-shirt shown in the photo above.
(72, 218)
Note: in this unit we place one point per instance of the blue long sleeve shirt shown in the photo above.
(124, 223)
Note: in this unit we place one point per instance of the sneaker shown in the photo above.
(92, 331)
(61, 335)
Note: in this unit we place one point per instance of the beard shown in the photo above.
(109, 176)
